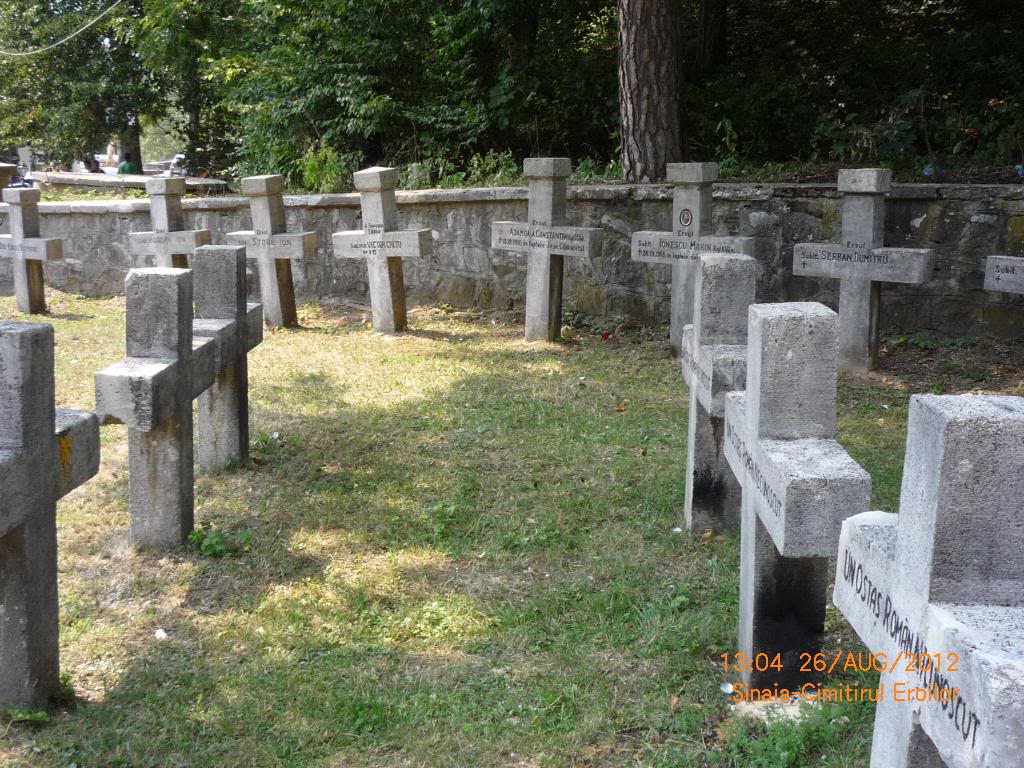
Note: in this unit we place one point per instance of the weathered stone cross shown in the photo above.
(273, 248)
(547, 240)
(939, 589)
(714, 361)
(861, 264)
(222, 313)
(383, 246)
(1004, 274)
(690, 236)
(44, 454)
(172, 360)
(169, 242)
(798, 483)
(28, 250)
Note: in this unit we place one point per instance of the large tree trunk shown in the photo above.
(711, 38)
(130, 139)
(649, 87)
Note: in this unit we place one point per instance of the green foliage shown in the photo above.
(325, 169)
(210, 541)
(27, 715)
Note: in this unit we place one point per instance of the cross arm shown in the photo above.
(888, 265)
(253, 325)
(138, 392)
(357, 244)
(985, 725)
(205, 361)
(226, 336)
(179, 241)
(667, 248)
(287, 245)
(33, 248)
(802, 490)
(78, 449)
(1004, 273)
(712, 370)
(555, 240)
(15, 486)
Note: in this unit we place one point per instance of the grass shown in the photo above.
(450, 548)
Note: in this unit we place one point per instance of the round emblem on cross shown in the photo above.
(686, 217)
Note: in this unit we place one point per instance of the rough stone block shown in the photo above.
(165, 185)
(261, 186)
(547, 167)
(376, 179)
(691, 173)
(869, 181)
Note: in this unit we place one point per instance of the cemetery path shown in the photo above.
(451, 548)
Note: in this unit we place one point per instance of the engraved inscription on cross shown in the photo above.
(798, 483)
(273, 248)
(939, 589)
(45, 453)
(690, 236)
(169, 242)
(1004, 274)
(383, 246)
(861, 264)
(714, 362)
(27, 249)
(547, 240)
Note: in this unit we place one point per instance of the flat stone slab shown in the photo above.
(110, 181)
(1005, 274)
(666, 248)
(890, 265)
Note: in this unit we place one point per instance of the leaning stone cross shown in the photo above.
(939, 589)
(1004, 274)
(222, 314)
(28, 250)
(861, 264)
(714, 361)
(547, 240)
(690, 236)
(169, 243)
(45, 453)
(383, 246)
(273, 248)
(798, 483)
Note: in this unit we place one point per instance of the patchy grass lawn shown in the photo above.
(452, 548)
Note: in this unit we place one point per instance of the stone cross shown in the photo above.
(44, 454)
(547, 240)
(151, 392)
(222, 313)
(28, 250)
(798, 483)
(939, 589)
(861, 264)
(383, 246)
(169, 242)
(714, 361)
(273, 248)
(689, 237)
(1004, 274)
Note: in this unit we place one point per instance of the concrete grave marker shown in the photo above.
(944, 579)
(169, 242)
(45, 453)
(714, 361)
(689, 237)
(27, 249)
(222, 313)
(1004, 274)
(383, 246)
(798, 483)
(273, 248)
(861, 264)
(547, 240)
(173, 359)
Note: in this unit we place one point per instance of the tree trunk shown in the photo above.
(711, 38)
(131, 141)
(649, 87)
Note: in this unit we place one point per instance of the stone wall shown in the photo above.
(963, 223)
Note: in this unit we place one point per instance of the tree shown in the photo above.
(649, 87)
